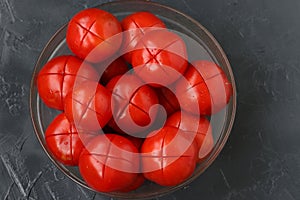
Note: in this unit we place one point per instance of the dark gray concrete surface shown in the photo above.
(261, 159)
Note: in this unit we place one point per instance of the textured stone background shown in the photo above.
(261, 160)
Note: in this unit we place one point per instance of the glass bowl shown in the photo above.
(204, 46)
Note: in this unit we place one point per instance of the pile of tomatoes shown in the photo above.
(108, 91)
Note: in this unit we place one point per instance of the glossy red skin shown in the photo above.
(130, 103)
(96, 159)
(206, 147)
(168, 173)
(117, 67)
(208, 88)
(90, 28)
(89, 106)
(137, 142)
(168, 100)
(113, 125)
(193, 124)
(63, 141)
(56, 79)
(138, 183)
(160, 57)
(135, 26)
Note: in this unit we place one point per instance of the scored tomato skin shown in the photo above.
(165, 166)
(208, 90)
(192, 124)
(56, 79)
(130, 103)
(135, 26)
(89, 106)
(94, 34)
(101, 166)
(160, 58)
(63, 141)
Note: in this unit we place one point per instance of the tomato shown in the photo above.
(160, 58)
(117, 67)
(107, 163)
(94, 34)
(88, 106)
(135, 26)
(168, 160)
(167, 99)
(193, 124)
(208, 88)
(132, 101)
(57, 77)
(114, 126)
(113, 162)
(63, 140)
(138, 183)
(206, 147)
(137, 142)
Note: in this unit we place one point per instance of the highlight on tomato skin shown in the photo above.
(208, 88)
(160, 57)
(94, 35)
(63, 141)
(132, 102)
(163, 159)
(106, 166)
(88, 106)
(193, 124)
(135, 26)
(57, 77)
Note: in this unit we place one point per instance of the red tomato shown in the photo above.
(160, 57)
(94, 34)
(57, 77)
(117, 67)
(193, 124)
(135, 26)
(138, 183)
(137, 142)
(113, 125)
(107, 163)
(208, 88)
(89, 106)
(63, 140)
(166, 163)
(167, 99)
(132, 100)
(206, 147)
